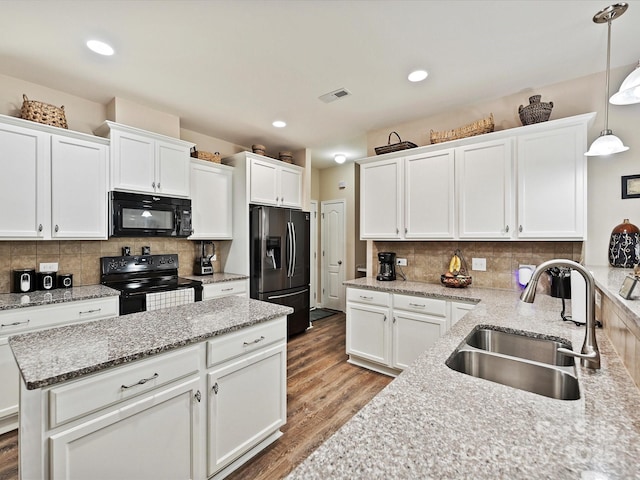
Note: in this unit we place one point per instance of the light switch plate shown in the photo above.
(49, 267)
(479, 264)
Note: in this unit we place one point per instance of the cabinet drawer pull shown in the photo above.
(215, 388)
(416, 305)
(140, 382)
(14, 324)
(366, 298)
(230, 289)
(198, 396)
(257, 340)
(90, 311)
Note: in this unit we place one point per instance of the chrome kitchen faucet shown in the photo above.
(590, 355)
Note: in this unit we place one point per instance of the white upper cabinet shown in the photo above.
(54, 180)
(272, 182)
(381, 200)
(518, 184)
(408, 198)
(429, 195)
(484, 183)
(145, 162)
(552, 194)
(211, 201)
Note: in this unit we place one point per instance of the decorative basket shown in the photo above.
(478, 127)
(394, 147)
(258, 149)
(286, 157)
(41, 112)
(208, 156)
(536, 111)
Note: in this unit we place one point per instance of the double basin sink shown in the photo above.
(518, 359)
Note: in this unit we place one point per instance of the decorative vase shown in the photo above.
(536, 111)
(624, 246)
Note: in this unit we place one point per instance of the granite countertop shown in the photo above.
(10, 301)
(434, 422)
(55, 355)
(217, 277)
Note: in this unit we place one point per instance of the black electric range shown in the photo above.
(148, 282)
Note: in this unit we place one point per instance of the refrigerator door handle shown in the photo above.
(289, 250)
(271, 297)
(293, 256)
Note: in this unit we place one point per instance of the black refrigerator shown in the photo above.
(280, 261)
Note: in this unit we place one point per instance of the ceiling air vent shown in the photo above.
(335, 95)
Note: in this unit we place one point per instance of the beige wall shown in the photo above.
(133, 114)
(605, 207)
(82, 115)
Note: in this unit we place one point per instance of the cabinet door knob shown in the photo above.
(384, 319)
(339, 262)
(215, 388)
(397, 231)
(158, 185)
(198, 396)
(405, 230)
(520, 228)
(57, 228)
(506, 229)
(153, 185)
(40, 227)
(277, 199)
(394, 320)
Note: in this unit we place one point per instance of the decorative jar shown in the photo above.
(624, 246)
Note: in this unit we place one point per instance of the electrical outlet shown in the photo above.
(401, 262)
(49, 267)
(214, 257)
(479, 264)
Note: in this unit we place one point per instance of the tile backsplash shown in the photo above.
(82, 258)
(426, 261)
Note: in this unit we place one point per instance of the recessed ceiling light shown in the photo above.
(340, 157)
(279, 124)
(100, 47)
(417, 75)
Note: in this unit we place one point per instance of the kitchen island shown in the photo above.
(164, 394)
(434, 422)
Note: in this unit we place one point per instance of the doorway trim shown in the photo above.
(313, 256)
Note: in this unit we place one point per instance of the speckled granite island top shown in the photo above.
(59, 354)
(60, 295)
(432, 422)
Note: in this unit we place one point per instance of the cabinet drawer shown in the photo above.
(246, 340)
(372, 297)
(89, 394)
(44, 316)
(223, 289)
(431, 306)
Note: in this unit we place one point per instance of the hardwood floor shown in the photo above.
(323, 392)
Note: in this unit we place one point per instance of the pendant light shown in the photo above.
(607, 143)
(629, 90)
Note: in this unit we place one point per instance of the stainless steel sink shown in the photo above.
(543, 350)
(517, 359)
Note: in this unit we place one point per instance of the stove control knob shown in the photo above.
(123, 263)
(113, 265)
(162, 261)
(170, 260)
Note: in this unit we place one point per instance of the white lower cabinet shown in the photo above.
(192, 413)
(247, 403)
(29, 319)
(154, 437)
(386, 332)
(459, 310)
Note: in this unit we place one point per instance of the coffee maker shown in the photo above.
(387, 270)
(202, 264)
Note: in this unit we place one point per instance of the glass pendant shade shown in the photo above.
(606, 144)
(629, 90)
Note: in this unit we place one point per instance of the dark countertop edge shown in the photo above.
(74, 296)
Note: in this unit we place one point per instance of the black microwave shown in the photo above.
(139, 215)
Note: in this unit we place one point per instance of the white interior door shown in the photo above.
(333, 254)
(313, 274)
